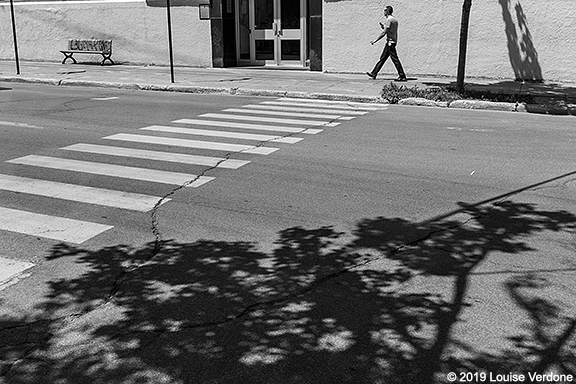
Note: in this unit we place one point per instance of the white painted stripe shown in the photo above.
(105, 98)
(183, 158)
(312, 131)
(113, 170)
(50, 227)
(231, 124)
(337, 102)
(10, 270)
(193, 144)
(18, 125)
(328, 106)
(264, 119)
(280, 113)
(79, 193)
(232, 135)
(286, 107)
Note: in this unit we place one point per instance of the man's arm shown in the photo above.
(384, 32)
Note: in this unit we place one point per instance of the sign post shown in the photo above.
(168, 4)
(15, 40)
(169, 41)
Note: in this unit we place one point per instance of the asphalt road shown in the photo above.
(406, 165)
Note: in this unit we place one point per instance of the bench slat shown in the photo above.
(70, 51)
(94, 46)
(90, 45)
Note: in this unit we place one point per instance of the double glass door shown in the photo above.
(271, 32)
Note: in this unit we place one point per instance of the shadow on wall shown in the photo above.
(523, 55)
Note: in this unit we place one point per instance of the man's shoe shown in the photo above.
(401, 78)
(371, 75)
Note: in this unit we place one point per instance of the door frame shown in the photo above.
(275, 34)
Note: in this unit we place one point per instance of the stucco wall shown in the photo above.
(139, 33)
(509, 39)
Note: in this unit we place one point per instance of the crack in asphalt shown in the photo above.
(158, 241)
(260, 305)
(155, 251)
(28, 327)
(265, 303)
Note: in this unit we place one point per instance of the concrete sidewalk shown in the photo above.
(256, 81)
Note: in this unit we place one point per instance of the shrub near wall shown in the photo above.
(508, 39)
(139, 33)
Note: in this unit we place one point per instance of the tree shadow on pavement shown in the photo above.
(542, 98)
(317, 309)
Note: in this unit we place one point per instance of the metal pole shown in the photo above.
(15, 40)
(464, 26)
(170, 41)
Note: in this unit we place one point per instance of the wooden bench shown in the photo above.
(102, 47)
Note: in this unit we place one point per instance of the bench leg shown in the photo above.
(106, 56)
(68, 56)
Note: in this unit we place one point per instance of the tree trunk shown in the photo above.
(432, 359)
(463, 45)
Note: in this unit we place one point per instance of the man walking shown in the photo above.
(390, 30)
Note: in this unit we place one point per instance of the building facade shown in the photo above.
(508, 39)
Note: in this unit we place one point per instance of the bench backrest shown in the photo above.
(90, 45)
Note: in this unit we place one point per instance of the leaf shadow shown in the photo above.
(319, 308)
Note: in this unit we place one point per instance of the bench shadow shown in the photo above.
(319, 308)
(89, 62)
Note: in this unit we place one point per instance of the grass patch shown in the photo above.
(394, 93)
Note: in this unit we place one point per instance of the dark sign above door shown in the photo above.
(176, 3)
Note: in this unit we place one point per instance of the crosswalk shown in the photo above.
(209, 140)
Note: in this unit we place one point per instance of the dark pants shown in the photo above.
(389, 51)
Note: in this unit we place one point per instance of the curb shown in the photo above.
(195, 89)
(28, 80)
(486, 105)
(411, 101)
(465, 104)
(422, 102)
(491, 106)
(542, 109)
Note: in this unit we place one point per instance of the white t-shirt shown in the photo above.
(392, 29)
